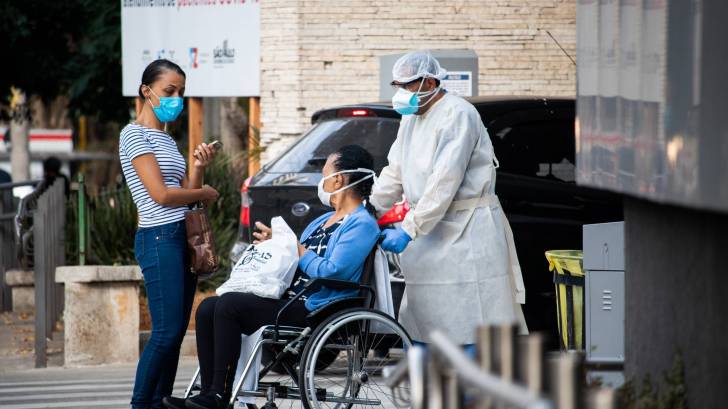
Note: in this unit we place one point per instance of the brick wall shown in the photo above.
(319, 53)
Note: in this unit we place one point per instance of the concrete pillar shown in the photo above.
(101, 314)
(22, 289)
(676, 284)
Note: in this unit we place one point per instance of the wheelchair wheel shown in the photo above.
(365, 342)
(325, 359)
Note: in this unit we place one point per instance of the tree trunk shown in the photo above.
(49, 114)
(233, 129)
(19, 130)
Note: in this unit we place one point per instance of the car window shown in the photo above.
(309, 154)
(539, 148)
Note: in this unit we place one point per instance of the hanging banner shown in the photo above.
(216, 42)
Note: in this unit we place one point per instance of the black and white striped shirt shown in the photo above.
(137, 140)
(317, 242)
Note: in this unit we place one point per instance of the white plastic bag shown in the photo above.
(266, 269)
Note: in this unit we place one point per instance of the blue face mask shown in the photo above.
(406, 102)
(169, 107)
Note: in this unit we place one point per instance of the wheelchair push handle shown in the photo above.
(395, 215)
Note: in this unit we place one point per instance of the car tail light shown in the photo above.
(395, 215)
(349, 112)
(245, 203)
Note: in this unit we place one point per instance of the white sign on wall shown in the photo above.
(459, 83)
(216, 42)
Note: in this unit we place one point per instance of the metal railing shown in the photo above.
(49, 220)
(509, 373)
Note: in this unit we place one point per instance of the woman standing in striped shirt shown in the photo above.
(155, 173)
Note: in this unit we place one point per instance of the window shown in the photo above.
(535, 148)
(309, 155)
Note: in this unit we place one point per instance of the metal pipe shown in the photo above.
(10, 185)
(484, 384)
(504, 348)
(567, 378)
(603, 398)
(192, 383)
(81, 221)
(530, 360)
(485, 357)
(451, 389)
(417, 368)
(248, 366)
(397, 375)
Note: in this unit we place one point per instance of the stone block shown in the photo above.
(101, 314)
(22, 289)
(187, 349)
(88, 274)
(19, 278)
(23, 298)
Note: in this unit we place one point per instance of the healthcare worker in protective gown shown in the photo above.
(458, 258)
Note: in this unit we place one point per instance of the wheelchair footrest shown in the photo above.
(281, 391)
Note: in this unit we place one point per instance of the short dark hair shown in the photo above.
(52, 164)
(352, 157)
(155, 69)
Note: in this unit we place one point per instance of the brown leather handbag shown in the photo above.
(204, 260)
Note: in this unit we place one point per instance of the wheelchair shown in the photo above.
(337, 361)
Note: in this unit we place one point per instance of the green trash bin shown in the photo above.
(569, 283)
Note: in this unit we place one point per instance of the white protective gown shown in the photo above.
(461, 269)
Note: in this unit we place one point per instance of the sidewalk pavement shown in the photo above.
(22, 386)
(17, 343)
(104, 387)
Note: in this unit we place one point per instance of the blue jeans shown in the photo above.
(162, 255)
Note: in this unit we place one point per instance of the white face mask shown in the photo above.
(325, 197)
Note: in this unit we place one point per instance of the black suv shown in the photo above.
(534, 141)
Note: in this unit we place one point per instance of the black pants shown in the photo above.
(221, 320)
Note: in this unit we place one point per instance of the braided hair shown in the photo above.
(352, 157)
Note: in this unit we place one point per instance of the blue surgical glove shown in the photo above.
(395, 240)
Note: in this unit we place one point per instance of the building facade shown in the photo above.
(321, 53)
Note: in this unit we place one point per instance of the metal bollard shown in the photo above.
(82, 225)
(504, 351)
(530, 360)
(436, 386)
(453, 393)
(485, 357)
(603, 398)
(567, 377)
(485, 346)
(418, 371)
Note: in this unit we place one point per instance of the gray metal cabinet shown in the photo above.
(605, 316)
(604, 269)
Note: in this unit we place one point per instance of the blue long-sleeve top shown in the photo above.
(347, 249)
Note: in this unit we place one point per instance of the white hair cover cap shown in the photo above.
(417, 64)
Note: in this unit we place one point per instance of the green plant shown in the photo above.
(672, 396)
(112, 224)
(113, 219)
(224, 212)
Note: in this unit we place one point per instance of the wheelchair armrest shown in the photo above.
(315, 285)
(341, 285)
(318, 315)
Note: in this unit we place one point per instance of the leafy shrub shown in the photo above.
(112, 221)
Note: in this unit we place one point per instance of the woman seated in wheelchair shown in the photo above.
(333, 246)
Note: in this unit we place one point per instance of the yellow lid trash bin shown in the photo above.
(569, 284)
